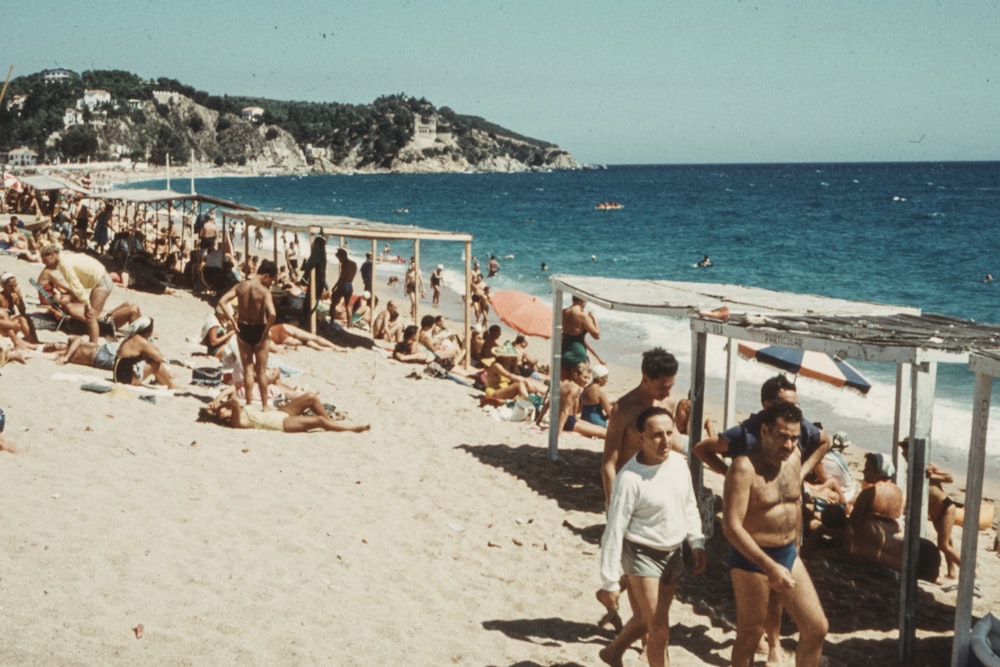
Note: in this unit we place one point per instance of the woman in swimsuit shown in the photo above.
(289, 418)
(138, 359)
(594, 404)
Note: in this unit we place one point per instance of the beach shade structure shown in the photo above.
(523, 312)
(807, 363)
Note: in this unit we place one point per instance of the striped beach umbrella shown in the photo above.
(816, 365)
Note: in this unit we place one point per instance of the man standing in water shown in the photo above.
(256, 312)
(761, 519)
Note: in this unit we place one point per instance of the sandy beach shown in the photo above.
(135, 535)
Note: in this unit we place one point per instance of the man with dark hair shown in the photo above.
(651, 513)
(745, 437)
(740, 439)
(659, 371)
(256, 311)
(762, 515)
(344, 287)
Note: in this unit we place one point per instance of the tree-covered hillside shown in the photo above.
(196, 124)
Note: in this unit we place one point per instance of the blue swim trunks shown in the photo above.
(784, 556)
(570, 423)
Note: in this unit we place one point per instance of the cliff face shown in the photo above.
(206, 136)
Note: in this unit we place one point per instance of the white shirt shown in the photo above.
(652, 505)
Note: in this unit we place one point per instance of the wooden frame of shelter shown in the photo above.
(901, 335)
(358, 228)
(159, 200)
(986, 365)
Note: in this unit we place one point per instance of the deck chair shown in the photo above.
(55, 309)
(58, 314)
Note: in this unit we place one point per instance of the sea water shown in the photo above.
(916, 234)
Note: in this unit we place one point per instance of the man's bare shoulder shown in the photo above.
(631, 403)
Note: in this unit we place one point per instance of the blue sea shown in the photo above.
(919, 234)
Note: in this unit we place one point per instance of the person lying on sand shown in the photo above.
(79, 350)
(289, 418)
(288, 335)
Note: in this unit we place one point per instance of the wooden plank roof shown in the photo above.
(848, 329)
(340, 225)
(147, 196)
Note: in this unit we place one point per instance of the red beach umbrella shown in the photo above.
(523, 312)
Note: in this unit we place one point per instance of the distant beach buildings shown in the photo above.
(93, 99)
(252, 114)
(426, 131)
(20, 157)
(55, 75)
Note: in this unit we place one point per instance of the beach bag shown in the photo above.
(206, 376)
(523, 410)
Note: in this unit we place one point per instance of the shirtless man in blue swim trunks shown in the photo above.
(256, 311)
(761, 518)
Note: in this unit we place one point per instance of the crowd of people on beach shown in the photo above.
(788, 493)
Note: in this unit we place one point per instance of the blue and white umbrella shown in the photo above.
(816, 365)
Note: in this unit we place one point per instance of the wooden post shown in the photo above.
(311, 293)
(418, 278)
(921, 414)
(371, 305)
(970, 534)
(901, 417)
(699, 348)
(467, 302)
(729, 408)
(554, 382)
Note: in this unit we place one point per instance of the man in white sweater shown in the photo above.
(652, 511)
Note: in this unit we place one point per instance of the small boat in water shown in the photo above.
(608, 206)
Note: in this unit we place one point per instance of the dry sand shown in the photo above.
(440, 537)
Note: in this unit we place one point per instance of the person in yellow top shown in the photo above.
(76, 274)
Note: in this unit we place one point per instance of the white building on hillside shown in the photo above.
(424, 131)
(93, 98)
(53, 75)
(21, 157)
(252, 114)
(72, 117)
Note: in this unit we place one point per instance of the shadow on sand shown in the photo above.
(854, 598)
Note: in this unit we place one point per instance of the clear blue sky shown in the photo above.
(630, 81)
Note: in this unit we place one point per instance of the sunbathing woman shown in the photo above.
(138, 359)
(289, 335)
(502, 380)
(290, 418)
